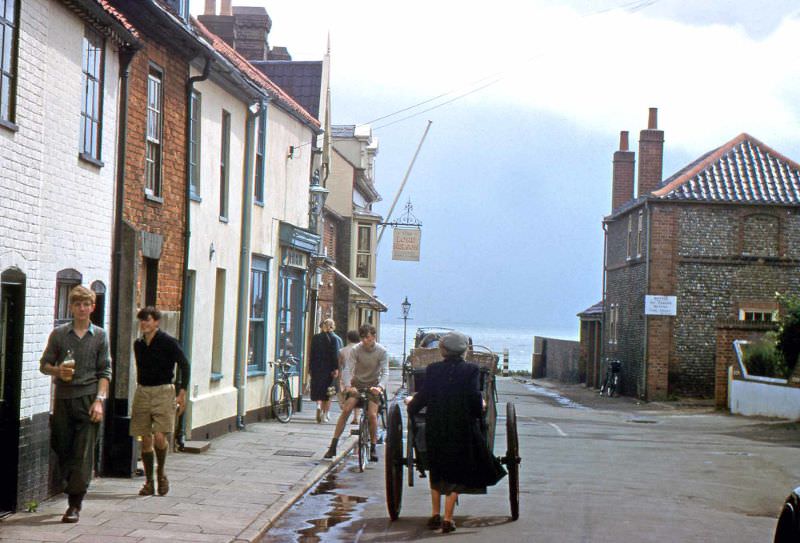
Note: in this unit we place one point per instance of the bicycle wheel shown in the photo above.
(363, 440)
(281, 401)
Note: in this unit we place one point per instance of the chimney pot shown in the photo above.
(652, 121)
(623, 140)
(226, 8)
(211, 7)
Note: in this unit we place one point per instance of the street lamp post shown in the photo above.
(406, 307)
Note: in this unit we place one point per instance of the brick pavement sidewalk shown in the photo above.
(231, 492)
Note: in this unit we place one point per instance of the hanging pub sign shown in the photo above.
(405, 244)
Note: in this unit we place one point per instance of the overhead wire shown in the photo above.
(632, 7)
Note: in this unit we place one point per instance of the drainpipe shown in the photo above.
(183, 324)
(647, 212)
(242, 298)
(603, 329)
(112, 427)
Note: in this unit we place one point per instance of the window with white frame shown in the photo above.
(153, 147)
(224, 164)
(194, 144)
(363, 251)
(613, 323)
(258, 187)
(629, 242)
(66, 280)
(92, 91)
(639, 234)
(257, 351)
(8, 59)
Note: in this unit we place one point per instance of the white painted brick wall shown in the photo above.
(56, 211)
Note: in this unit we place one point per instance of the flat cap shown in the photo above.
(454, 342)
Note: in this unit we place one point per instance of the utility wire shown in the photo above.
(631, 7)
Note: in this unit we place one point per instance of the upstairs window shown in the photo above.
(259, 181)
(92, 98)
(194, 145)
(8, 60)
(224, 164)
(153, 151)
(363, 251)
(629, 242)
(639, 235)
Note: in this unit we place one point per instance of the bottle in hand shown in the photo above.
(69, 362)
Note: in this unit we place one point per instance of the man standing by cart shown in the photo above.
(154, 402)
(370, 371)
(77, 356)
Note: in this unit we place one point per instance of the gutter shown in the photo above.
(242, 296)
(603, 341)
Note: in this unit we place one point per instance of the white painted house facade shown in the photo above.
(58, 121)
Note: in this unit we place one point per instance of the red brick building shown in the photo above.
(711, 243)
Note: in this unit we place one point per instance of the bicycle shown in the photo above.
(281, 391)
(611, 382)
(364, 441)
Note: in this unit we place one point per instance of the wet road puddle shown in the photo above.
(555, 397)
(318, 514)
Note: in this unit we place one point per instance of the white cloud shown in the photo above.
(709, 81)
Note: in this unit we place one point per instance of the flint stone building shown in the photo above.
(721, 235)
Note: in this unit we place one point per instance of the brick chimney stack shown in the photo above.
(211, 7)
(651, 155)
(226, 8)
(622, 177)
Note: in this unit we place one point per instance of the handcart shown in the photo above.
(412, 455)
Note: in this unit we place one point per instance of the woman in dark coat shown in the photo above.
(458, 457)
(323, 367)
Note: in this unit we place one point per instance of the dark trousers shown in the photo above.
(74, 436)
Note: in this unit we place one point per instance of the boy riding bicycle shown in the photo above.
(370, 370)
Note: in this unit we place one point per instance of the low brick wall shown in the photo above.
(559, 359)
(727, 332)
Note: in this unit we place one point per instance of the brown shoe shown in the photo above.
(72, 515)
(147, 489)
(448, 526)
(435, 522)
(163, 486)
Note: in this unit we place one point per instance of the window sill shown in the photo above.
(255, 372)
(259, 203)
(91, 160)
(216, 377)
(223, 219)
(9, 125)
(195, 198)
(154, 199)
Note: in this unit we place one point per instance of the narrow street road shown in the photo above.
(592, 470)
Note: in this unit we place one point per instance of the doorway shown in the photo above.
(12, 316)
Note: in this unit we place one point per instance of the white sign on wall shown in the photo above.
(660, 305)
(405, 244)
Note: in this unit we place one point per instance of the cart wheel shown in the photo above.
(393, 464)
(410, 450)
(512, 459)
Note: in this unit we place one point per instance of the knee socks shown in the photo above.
(161, 457)
(147, 461)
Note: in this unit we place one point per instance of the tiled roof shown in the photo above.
(596, 309)
(301, 79)
(114, 24)
(255, 75)
(744, 170)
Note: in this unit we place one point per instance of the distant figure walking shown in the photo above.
(154, 402)
(78, 358)
(458, 457)
(324, 367)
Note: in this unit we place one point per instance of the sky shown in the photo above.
(527, 99)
